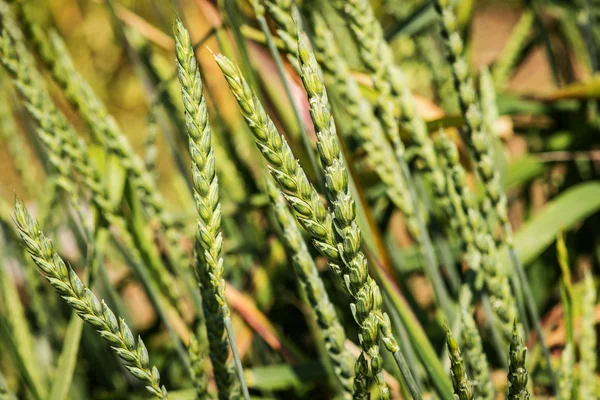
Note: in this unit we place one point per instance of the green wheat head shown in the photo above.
(209, 239)
(66, 283)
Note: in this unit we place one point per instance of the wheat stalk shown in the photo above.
(463, 389)
(517, 372)
(209, 239)
(332, 331)
(66, 282)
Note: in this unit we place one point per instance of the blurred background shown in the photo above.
(541, 55)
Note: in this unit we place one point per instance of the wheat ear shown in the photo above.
(209, 239)
(517, 372)
(475, 359)
(308, 276)
(66, 282)
(310, 212)
(463, 389)
(478, 143)
(393, 90)
(284, 13)
(473, 230)
(587, 344)
(338, 192)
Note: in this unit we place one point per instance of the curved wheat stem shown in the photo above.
(308, 275)
(66, 282)
(209, 239)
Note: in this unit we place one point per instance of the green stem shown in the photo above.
(408, 377)
(430, 266)
(236, 354)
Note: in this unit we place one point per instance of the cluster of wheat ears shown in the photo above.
(483, 301)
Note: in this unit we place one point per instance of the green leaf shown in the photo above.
(284, 376)
(18, 335)
(571, 207)
(67, 360)
(578, 90)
